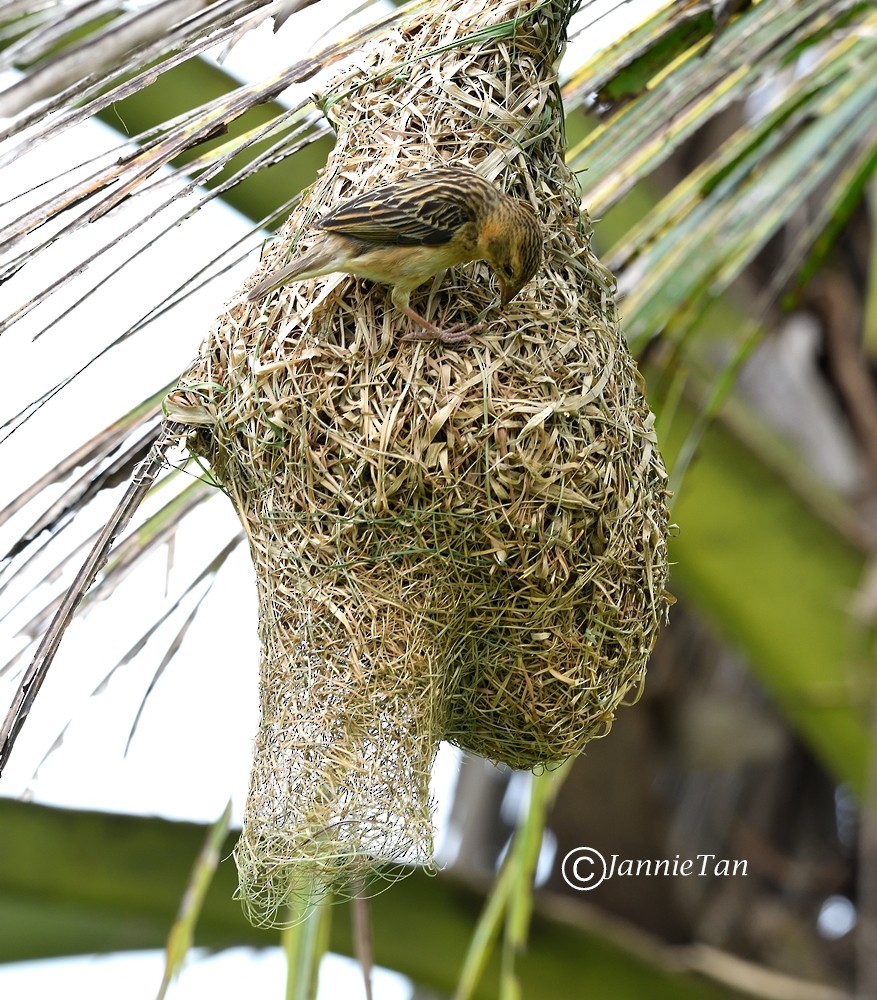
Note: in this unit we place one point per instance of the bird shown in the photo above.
(404, 232)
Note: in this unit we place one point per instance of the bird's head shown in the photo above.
(513, 246)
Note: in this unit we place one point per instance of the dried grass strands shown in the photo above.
(463, 544)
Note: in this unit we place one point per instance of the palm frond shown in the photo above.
(36, 673)
(819, 139)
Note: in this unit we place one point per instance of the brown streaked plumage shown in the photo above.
(404, 232)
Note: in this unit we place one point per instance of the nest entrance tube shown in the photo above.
(344, 761)
(464, 543)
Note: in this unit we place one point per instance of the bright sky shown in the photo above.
(192, 747)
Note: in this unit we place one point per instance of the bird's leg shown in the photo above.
(457, 334)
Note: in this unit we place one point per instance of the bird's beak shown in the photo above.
(508, 291)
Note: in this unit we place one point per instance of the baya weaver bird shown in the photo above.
(404, 232)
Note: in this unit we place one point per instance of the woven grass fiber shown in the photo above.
(463, 543)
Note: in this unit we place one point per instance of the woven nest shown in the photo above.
(460, 543)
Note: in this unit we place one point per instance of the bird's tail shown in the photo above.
(318, 260)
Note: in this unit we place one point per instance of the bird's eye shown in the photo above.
(508, 270)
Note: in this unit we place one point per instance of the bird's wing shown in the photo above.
(427, 208)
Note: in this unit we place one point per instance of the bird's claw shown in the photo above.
(457, 334)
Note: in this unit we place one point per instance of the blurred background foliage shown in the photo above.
(726, 153)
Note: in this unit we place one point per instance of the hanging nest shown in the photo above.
(460, 543)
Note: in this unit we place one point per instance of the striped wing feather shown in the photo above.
(426, 209)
